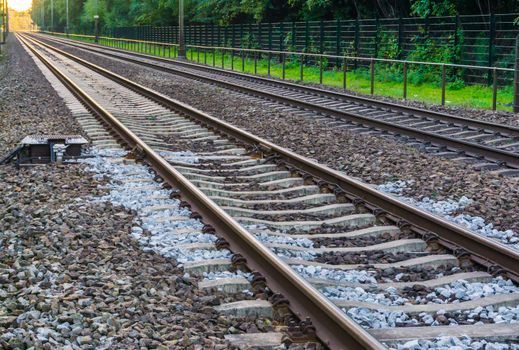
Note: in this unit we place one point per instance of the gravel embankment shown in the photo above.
(28, 104)
(371, 158)
(71, 275)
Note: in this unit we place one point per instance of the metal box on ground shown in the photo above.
(43, 149)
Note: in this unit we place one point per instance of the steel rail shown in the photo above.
(502, 157)
(484, 250)
(478, 124)
(333, 326)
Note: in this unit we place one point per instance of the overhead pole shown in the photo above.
(67, 18)
(3, 31)
(6, 17)
(51, 15)
(96, 23)
(181, 38)
(43, 14)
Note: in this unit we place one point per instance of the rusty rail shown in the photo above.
(334, 327)
(486, 251)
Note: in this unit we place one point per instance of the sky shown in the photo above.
(19, 5)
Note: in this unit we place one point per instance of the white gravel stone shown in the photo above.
(449, 208)
(387, 297)
(460, 290)
(370, 318)
(396, 187)
(211, 276)
(163, 236)
(463, 290)
(449, 343)
(305, 255)
(354, 276)
(297, 242)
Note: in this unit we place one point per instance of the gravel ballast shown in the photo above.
(28, 103)
(72, 275)
(374, 159)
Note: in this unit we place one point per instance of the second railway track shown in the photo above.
(392, 268)
(486, 145)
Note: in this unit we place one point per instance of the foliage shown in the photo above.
(122, 13)
(249, 41)
(388, 46)
(224, 12)
(428, 8)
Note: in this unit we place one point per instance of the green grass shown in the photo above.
(387, 82)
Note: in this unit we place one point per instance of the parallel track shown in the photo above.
(351, 206)
(453, 136)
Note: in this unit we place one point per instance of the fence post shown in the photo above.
(241, 35)
(294, 41)
(260, 39)
(281, 36)
(516, 76)
(251, 36)
(344, 72)
(443, 84)
(270, 37)
(400, 36)
(494, 90)
(405, 81)
(357, 40)
(491, 39)
(321, 69)
(456, 38)
(283, 66)
(233, 38)
(321, 37)
(338, 38)
(372, 69)
(377, 29)
(426, 26)
(301, 67)
(307, 35)
(225, 36)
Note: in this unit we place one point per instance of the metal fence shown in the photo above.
(479, 40)
(238, 58)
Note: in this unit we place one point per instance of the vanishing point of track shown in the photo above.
(338, 200)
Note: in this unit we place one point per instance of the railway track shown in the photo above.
(487, 145)
(392, 268)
